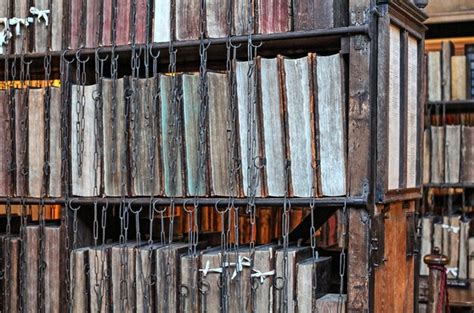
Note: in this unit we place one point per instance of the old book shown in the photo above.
(263, 276)
(58, 10)
(106, 23)
(426, 223)
(100, 284)
(294, 255)
(271, 102)
(434, 76)
(55, 143)
(470, 70)
(426, 155)
(331, 121)
(189, 282)
(122, 31)
(273, 16)
(467, 161)
(394, 110)
(79, 262)
(437, 154)
(114, 122)
(167, 276)
(86, 175)
(139, 27)
(196, 151)
(216, 18)
(144, 140)
(21, 142)
(162, 18)
(92, 31)
(438, 236)
(145, 274)
(452, 153)
(219, 102)
(446, 237)
(313, 278)
(6, 154)
(209, 278)
(123, 277)
(5, 12)
(455, 223)
(463, 250)
(54, 274)
(187, 19)
(243, 17)
(458, 77)
(412, 144)
(471, 257)
(19, 24)
(32, 234)
(76, 16)
(12, 262)
(300, 125)
(40, 27)
(36, 143)
(331, 303)
(447, 50)
(239, 268)
(249, 126)
(171, 137)
(319, 14)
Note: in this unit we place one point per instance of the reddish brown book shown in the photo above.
(273, 16)
(140, 22)
(122, 35)
(76, 13)
(187, 19)
(5, 147)
(106, 38)
(318, 14)
(92, 23)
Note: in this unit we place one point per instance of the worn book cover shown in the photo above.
(5, 11)
(187, 19)
(434, 76)
(426, 156)
(57, 20)
(274, 16)
(426, 236)
(55, 143)
(412, 107)
(123, 25)
(114, 122)
(6, 154)
(447, 51)
(20, 32)
(216, 18)
(139, 28)
(209, 278)
(463, 249)
(40, 29)
(243, 17)
(195, 137)
(467, 160)
(189, 281)
(54, 273)
(100, 285)
(331, 303)
(79, 277)
(21, 141)
(452, 156)
(330, 113)
(145, 277)
(36, 143)
(319, 14)
(271, 104)
(106, 23)
(299, 106)
(92, 23)
(313, 280)
(31, 241)
(123, 298)
(437, 154)
(12, 273)
(263, 276)
(458, 77)
(249, 130)
(77, 15)
(470, 70)
(163, 15)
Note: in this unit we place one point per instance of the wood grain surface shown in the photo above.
(21, 137)
(32, 234)
(58, 9)
(452, 156)
(274, 16)
(437, 154)
(313, 278)
(36, 142)
(467, 154)
(40, 29)
(55, 143)
(5, 149)
(216, 18)
(53, 272)
(458, 77)
(187, 19)
(122, 35)
(79, 277)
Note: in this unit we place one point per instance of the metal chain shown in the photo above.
(342, 258)
(285, 236)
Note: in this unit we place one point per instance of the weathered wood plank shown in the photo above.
(452, 156)
(162, 28)
(313, 278)
(437, 154)
(216, 18)
(434, 76)
(52, 275)
(187, 19)
(31, 276)
(274, 16)
(36, 142)
(79, 275)
(55, 143)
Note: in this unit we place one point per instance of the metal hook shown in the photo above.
(184, 206)
(78, 57)
(150, 51)
(73, 208)
(63, 56)
(159, 211)
(234, 45)
(97, 57)
(216, 206)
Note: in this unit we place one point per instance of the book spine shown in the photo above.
(458, 77)
(55, 162)
(122, 35)
(32, 255)
(216, 18)
(274, 16)
(41, 38)
(36, 143)
(21, 141)
(187, 19)
(57, 21)
(107, 12)
(5, 148)
(162, 26)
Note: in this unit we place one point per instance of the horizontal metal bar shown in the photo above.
(158, 201)
(451, 106)
(449, 185)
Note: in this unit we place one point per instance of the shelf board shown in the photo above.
(449, 185)
(455, 106)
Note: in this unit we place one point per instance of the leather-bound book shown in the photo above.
(470, 70)
(271, 102)
(249, 127)
(5, 148)
(145, 276)
(209, 278)
(426, 236)
(54, 273)
(141, 16)
(313, 279)
(463, 249)
(163, 16)
(189, 282)
(21, 142)
(455, 223)
(471, 257)
(84, 172)
(55, 143)
(458, 77)
(241, 16)
(122, 34)
(40, 28)
(31, 241)
(123, 277)
(76, 16)
(412, 145)
(299, 102)
(115, 146)
(171, 136)
(273, 16)
(187, 19)
(106, 20)
(263, 276)
(219, 102)
(294, 255)
(92, 23)
(331, 121)
(36, 142)
(452, 156)
(447, 51)
(216, 18)
(438, 235)
(144, 137)
(393, 114)
(446, 237)
(13, 244)
(5, 12)
(467, 165)
(79, 275)
(437, 154)
(434, 76)
(319, 14)
(331, 303)
(57, 20)
(426, 156)
(195, 152)
(100, 284)
(20, 32)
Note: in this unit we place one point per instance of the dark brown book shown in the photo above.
(241, 15)
(187, 19)
(313, 280)
(107, 11)
(319, 14)
(145, 275)
(79, 263)
(21, 141)
(57, 19)
(467, 166)
(55, 143)
(36, 142)
(77, 16)
(216, 18)
(5, 146)
(122, 277)
(12, 273)
(122, 35)
(92, 23)
(141, 16)
(19, 24)
(274, 16)
(189, 280)
(32, 234)
(100, 285)
(40, 26)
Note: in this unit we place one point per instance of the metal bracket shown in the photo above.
(412, 236)
(377, 241)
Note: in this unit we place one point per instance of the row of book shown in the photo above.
(450, 77)
(449, 154)
(297, 114)
(93, 23)
(451, 234)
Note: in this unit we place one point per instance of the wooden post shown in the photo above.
(436, 280)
